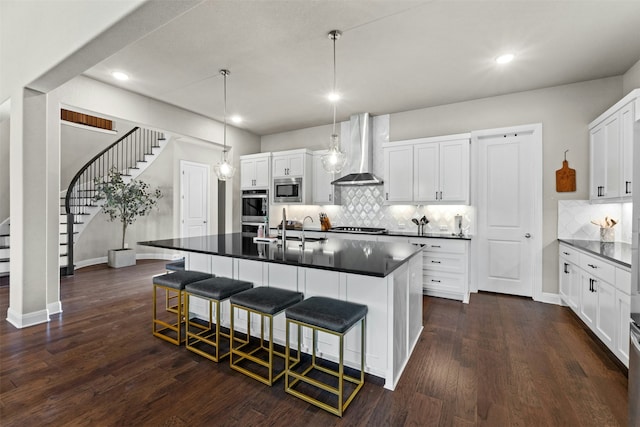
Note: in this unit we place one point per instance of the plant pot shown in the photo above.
(121, 258)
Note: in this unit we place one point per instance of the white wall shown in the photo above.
(314, 138)
(565, 112)
(631, 79)
(4, 169)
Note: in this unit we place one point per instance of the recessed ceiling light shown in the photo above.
(506, 58)
(236, 119)
(333, 96)
(119, 75)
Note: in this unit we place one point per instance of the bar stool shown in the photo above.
(177, 265)
(334, 317)
(207, 335)
(173, 284)
(267, 303)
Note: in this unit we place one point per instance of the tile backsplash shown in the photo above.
(364, 207)
(575, 216)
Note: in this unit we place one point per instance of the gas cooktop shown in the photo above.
(360, 230)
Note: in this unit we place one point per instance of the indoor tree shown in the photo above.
(125, 201)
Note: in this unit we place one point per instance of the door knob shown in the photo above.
(528, 235)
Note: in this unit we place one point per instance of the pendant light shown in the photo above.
(224, 169)
(334, 160)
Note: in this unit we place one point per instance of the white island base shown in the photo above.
(394, 318)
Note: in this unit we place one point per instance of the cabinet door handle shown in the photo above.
(330, 196)
(436, 195)
(566, 268)
(590, 285)
(627, 189)
(436, 262)
(592, 266)
(386, 196)
(434, 280)
(593, 287)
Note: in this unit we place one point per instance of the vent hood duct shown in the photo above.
(361, 153)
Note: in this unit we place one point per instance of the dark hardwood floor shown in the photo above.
(498, 361)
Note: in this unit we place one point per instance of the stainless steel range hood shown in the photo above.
(361, 151)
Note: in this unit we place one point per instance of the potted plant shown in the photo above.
(125, 202)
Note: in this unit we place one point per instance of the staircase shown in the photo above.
(4, 253)
(131, 155)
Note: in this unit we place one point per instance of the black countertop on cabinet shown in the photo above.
(617, 252)
(349, 256)
(404, 233)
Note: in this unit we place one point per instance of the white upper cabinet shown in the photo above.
(254, 171)
(426, 162)
(289, 163)
(626, 149)
(427, 170)
(454, 171)
(398, 173)
(611, 149)
(323, 192)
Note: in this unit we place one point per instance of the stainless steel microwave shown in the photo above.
(287, 190)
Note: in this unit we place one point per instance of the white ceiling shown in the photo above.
(393, 56)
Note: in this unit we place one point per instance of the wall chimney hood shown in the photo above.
(361, 151)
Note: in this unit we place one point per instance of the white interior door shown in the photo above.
(194, 199)
(509, 200)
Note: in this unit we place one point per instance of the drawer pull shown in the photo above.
(435, 246)
(566, 253)
(434, 280)
(592, 266)
(435, 262)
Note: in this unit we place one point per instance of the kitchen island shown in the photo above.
(387, 277)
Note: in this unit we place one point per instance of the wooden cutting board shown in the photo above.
(565, 178)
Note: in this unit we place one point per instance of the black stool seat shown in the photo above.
(267, 300)
(327, 313)
(218, 288)
(179, 279)
(175, 265)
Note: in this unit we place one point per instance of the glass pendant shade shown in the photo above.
(334, 160)
(223, 168)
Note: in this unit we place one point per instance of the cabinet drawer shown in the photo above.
(623, 281)
(569, 253)
(449, 282)
(453, 263)
(444, 245)
(598, 268)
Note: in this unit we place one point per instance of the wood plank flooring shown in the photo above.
(498, 361)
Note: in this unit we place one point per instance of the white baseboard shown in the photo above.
(25, 320)
(54, 307)
(103, 260)
(550, 298)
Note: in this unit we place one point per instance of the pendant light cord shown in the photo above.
(224, 150)
(334, 36)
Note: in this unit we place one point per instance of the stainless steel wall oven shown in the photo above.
(255, 205)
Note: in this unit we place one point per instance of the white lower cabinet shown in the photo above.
(598, 291)
(606, 314)
(445, 267)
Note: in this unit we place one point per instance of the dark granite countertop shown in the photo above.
(617, 252)
(349, 256)
(429, 235)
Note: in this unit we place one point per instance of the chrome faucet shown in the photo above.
(284, 227)
(303, 221)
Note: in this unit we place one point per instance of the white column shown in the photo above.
(34, 245)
